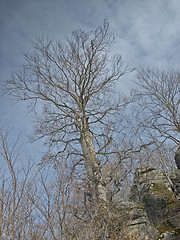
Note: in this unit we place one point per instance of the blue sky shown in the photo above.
(148, 33)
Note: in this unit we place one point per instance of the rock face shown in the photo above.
(153, 209)
(134, 222)
(177, 158)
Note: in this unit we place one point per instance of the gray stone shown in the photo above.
(135, 221)
(177, 158)
(155, 208)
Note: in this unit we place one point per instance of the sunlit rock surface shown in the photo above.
(153, 209)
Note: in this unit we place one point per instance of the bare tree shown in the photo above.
(34, 201)
(158, 96)
(51, 197)
(15, 207)
(76, 84)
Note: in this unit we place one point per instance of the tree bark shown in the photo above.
(94, 175)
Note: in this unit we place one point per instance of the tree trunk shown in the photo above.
(94, 175)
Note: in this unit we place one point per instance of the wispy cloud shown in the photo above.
(148, 33)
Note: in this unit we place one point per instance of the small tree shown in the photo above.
(15, 207)
(75, 83)
(158, 112)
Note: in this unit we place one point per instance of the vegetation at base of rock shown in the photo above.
(160, 190)
(165, 228)
(173, 204)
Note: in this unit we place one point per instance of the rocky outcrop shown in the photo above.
(177, 158)
(134, 222)
(153, 209)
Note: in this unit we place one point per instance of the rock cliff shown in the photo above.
(153, 209)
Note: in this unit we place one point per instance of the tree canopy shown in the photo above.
(75, 83)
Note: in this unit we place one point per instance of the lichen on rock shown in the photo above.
(160, 207)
